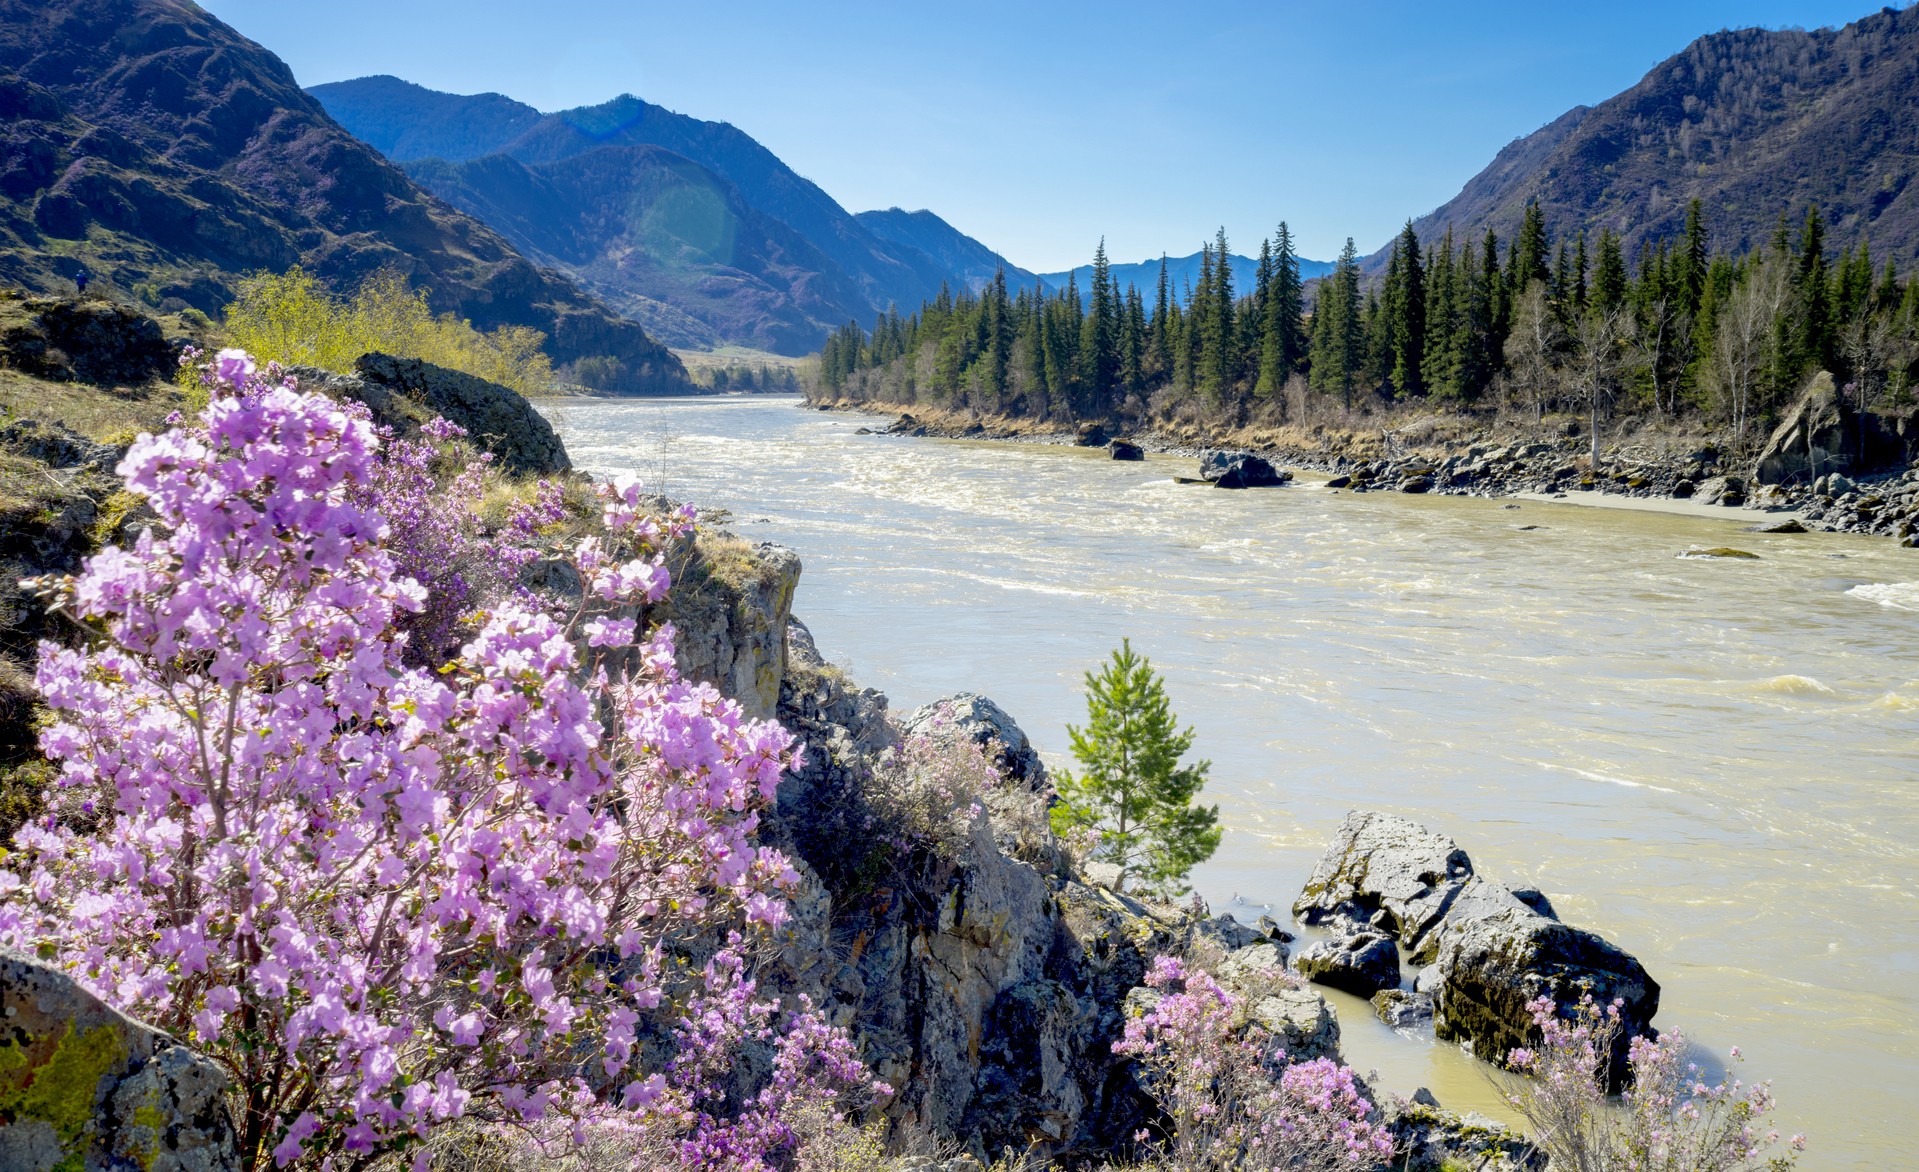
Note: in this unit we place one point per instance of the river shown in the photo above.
(1710, 762)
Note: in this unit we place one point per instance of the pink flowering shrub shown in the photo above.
(928, 789)
(1672, 1121)
(1231, 1100)
(384, 897)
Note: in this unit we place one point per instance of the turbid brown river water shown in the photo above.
(1711, 762)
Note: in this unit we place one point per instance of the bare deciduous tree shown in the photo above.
(1534, 348)
(1599, 365)
(1742, 339)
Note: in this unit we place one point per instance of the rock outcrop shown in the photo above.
(730, 607)
(1491, 951)
(986, 724)
(83, 1086)
(1820, 434)
(496, 418)
(69, 339)
(1240, 470)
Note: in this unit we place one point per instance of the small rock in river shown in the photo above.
(1719, 551)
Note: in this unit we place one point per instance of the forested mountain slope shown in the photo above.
(1751, 122)
(152, 143)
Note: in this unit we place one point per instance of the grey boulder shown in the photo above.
(1361, 965)
(88, 1087)
(1240, 470)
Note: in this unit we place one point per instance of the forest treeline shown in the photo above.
(1530, 325)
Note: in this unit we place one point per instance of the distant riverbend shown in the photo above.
(1710, 761)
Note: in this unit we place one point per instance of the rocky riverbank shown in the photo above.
(1802, 472)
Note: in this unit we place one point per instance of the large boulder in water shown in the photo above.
(85, 1086)
(1125, 450)
(1493, 952)
(1492, 966)
(1240, 470)
(1381, 863)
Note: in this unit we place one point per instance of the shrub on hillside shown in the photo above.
(291, 319)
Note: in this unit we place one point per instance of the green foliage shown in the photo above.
(291, 319)
(1132, 790)
(1460, 322)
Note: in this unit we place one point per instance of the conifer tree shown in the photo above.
(1407, 310)
(1814, 339)
(1132, 788)
(1533, 247)
(1442, 322)
(1162, 342)
(1132, 344)
(1609, 277)
(1692, 260)
(1099, 336)
(1337, 340)
(1223, 359)
(1282, 345)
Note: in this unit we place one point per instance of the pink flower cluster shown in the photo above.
(384, 896)
(1232, 1098)
(1673, 1121)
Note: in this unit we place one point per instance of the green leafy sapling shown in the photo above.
(1132, 790)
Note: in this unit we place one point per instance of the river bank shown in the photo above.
(1449, 456)
(1707, 761)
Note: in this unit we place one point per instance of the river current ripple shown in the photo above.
(1710, 762)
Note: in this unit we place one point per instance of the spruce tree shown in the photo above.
(1814, 339)
(1282, 345)
(1132, 343)
(1223, 365)
(1533, 248)
(1407, 308)
(1132, 788)
(1609, 277)
(1693, 260)
(1162, 341)
(1099, 336)
(1442, 322)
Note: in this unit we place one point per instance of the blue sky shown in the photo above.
(1040, 126)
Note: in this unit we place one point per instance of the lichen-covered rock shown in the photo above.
(73, 339)
(1382, 862)
(1403, 1010)
(1428, 1138)
(1302, 1021)
(1489, 952)
(83, 1086)
(403, 393)
(1361, 964)
(1491, 966)
(730, 605)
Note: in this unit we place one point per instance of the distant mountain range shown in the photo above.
(689, 226)
(1182, 272)
(1753, 123)
(167, 153)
